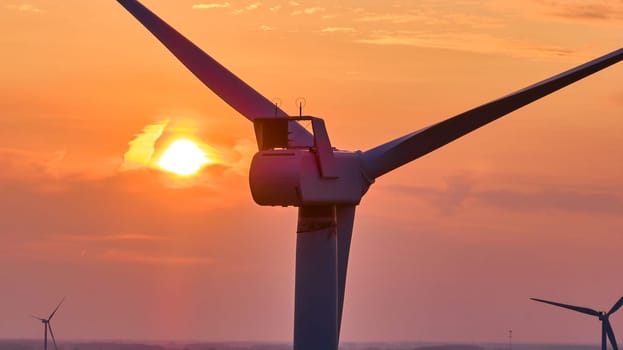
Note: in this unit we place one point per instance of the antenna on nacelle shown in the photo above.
(300, 102)
(277, 103)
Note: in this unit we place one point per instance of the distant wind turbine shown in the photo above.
(606, 327)
(47, 326)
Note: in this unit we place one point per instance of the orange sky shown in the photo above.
(448, 248)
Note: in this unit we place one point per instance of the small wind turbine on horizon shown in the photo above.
(47, 326)
(604, 317)
(295, 167)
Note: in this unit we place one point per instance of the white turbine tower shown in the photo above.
(604, 317)
(295, 168)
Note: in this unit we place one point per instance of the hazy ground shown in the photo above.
(37, 345)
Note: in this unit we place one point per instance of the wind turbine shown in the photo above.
(295, 168)
(47, 326)
(604, 317)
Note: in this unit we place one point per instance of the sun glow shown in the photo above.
(183, 157)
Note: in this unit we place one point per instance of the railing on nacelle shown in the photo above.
(272, 133)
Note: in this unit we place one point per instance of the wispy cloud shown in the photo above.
(585, 10)
(211, 6)
(428, 17)
(142, 147)
(459, 190)
(338, 30)
(275, 8)
(46, 169)
(24, 8)
(312, 10)
(308, 11)
(142, 258)
(146, 147)
(554, 199)
(250, 7)
(253, 6)
(392, 18)
(479, 43)
(117, 237)
(266, 28)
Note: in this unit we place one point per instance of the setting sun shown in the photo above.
(183, 157)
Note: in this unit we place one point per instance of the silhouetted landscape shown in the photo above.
(110, 345)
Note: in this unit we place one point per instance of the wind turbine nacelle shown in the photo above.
(292, 177)
(302, 176)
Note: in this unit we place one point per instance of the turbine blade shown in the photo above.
(315, 291)
(38, 318)
(57, 306)
(52, 334)
(345, 220)
(393, 154)
(616, 307)
(231, 89)
(583, 310)
(610, 333)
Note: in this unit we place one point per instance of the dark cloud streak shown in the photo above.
(460, 190)
(585, 11)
